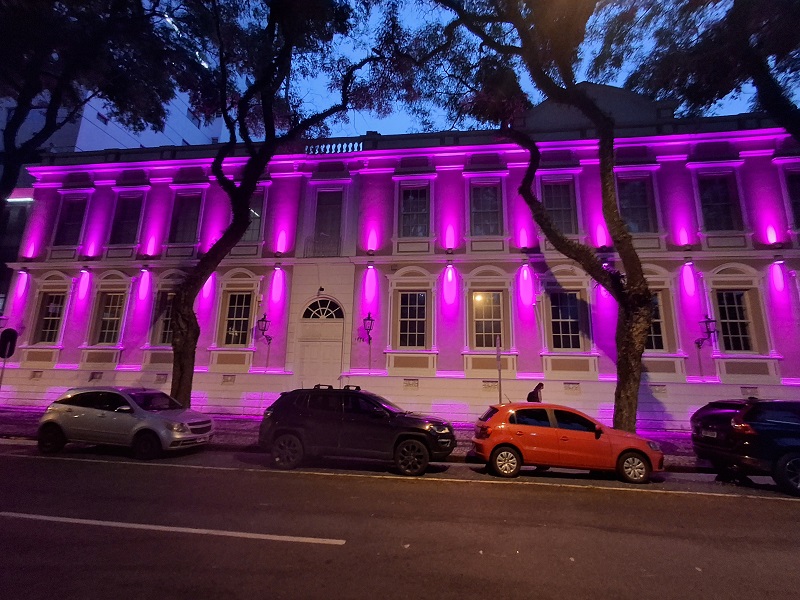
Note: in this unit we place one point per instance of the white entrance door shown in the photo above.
(319, 344)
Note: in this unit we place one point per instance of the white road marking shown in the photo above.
(192, 530)
(512, 482)
(17, 442)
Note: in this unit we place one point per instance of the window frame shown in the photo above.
(99, 318)
(495, 183)
(67, 197)
(426, 321)
(646, 175)
(225, 319)
(569, 179)
(254, 234)
(123, 196)
(731, 175)
(40, 317)
(186, 192)
(747, 321)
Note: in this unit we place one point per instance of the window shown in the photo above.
(793, 187)
(655, 337)
(330, 403)
(734, 324)
(193, 118)
(720, 203)
(164, 319)
(51, 312)
(12, 224)
(185, 216)
(413, 319)
(323, 309)
(487, 316)
(327, 224)
(485, 213)
(414, 212)
(253, 232)
(535, 417)
(125, 226)
(110, 317)
(558, 198)
(237, 320)
(573, 422)
(635, 196)
(70, 221)
(565, 313)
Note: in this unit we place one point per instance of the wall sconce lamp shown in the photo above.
(24, 270)
(144, 269)
(779, 259)
(277, 266)
(370, 265)
(278, 254)
(688, 261)
(84, 269)
(710, 330)
(370, 252)
(448, 251)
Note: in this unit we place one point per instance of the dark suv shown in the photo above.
(324, 421)
(751, 437)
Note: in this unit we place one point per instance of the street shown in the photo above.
(91, 523)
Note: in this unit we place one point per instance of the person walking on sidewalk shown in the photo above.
(535, 395)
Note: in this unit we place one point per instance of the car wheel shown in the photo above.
(505, 461)
(632, 467)
(287, 451)
(411, 457)
(787, 473)
(146, 445)
(50, 438)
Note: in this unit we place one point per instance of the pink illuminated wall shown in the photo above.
(591, 203)
(527, 338)
(216, 217)
(76, 320)
(449, 210)
(784, 307)
(135, 336)
(375, 220)
(155, 219)
(767, 212)
(692, 309)
(450, 320)
(97, 220)
(205, 307)
(276, 304)
(282, 213)
(675, 191)
(604, 329)
(370, 294)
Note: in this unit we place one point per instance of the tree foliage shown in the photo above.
(504, 55)
(57, 56)
(259, 60)
(700, 51)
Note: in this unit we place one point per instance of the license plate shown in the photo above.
(709, 433)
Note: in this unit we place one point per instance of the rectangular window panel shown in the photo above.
(237, 321)
(636, 204)
(655, 337)
(51, 312)
(253, 233)
(70, 222)
(733, 321)
(793, 187)
(487, 317)
(12, 225)
(111, 307)
(559, 202)
(414, 212)
(413, 319)
(125, 226)
(164, 337)
(565, 315)
(328, 224)
(720, 203)
(185, 216)
(485, 210)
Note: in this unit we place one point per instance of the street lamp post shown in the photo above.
(263, 326)
(369, 323)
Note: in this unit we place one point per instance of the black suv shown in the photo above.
(742, 437)
(324, 421)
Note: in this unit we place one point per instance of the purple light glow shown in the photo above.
(450, 287)
(777, 276)
(277, 288)
(688, 279)
(683, 237)
(370, 288)
(526, 284)
(145, 282)
(208, 286)
(601, 235)
(523, 238)
(31, 251)
(281, 244)
(22, 284)
(83, 284)
(772, 235)
(372, 239)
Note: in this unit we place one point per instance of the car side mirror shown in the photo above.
(124, 409)
(598, 431)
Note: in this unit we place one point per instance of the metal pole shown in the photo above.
(499, 371)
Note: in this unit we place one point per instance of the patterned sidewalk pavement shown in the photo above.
(241, 433)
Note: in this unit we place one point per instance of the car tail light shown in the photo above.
(482, 432)
(739, 426)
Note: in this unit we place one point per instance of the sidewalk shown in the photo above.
(241, 433)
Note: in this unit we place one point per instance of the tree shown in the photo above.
(58, 56)
(702, 51)
(259, 57)
(504, 41)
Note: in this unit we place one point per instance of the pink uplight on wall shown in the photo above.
(601, 236)
(84, 283)
(450, 237)
(370, 287)
(281, 244)
(777, 276)
(527, 295)
(688, 279)
(277, 288)
(772, 235)
(372, 240)
(208, 287)
(523, 240)
(145, 282)
(450, 286)
(683, 237)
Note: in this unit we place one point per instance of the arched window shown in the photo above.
(323, 309)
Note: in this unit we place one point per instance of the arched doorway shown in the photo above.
(320, 339)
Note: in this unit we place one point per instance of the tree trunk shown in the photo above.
(633, 325)
(186, 332)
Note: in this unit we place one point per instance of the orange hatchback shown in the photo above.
(510, 436)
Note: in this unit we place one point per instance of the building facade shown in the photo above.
(411, 266)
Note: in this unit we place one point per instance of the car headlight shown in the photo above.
(438, 429)
(654, 446)
(178, 427)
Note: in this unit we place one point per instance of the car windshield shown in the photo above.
(155, 401)
(387, 404)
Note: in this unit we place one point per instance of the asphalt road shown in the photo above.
(89, 524)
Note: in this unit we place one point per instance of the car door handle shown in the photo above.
(564, 438)
(518, 433)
